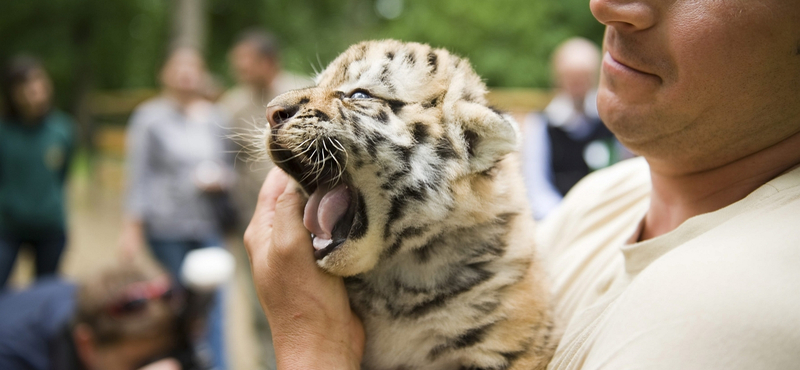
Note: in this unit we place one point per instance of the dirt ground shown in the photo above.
(95, 221)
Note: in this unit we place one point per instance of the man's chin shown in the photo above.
(630, 122)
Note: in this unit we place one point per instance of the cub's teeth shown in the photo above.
(320, 243)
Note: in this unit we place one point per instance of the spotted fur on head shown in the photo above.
(438, 255)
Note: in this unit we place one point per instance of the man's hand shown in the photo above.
(307, 309)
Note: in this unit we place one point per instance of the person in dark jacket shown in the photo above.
(567, 140)
(125, 317)
(36, 146)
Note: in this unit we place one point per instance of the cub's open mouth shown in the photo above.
(332, 202)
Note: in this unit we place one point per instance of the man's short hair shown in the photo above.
(265, 42)
(99, 295)
(577, 51)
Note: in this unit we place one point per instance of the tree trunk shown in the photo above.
(188, 23)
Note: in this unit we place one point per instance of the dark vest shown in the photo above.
(566, 154)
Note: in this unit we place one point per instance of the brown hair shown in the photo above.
(157, 319)
(16, 72)
(264, 41)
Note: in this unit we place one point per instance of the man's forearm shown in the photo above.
(304, 352)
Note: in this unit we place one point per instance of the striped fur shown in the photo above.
(439, 262)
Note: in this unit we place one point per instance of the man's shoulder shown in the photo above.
(621, 185)
(727, 294)
(53, 300)
(580, 239)
(31, 318)
(729, 276)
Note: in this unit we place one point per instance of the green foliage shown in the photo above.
(103, 44)
(508, 41)
(120, 44)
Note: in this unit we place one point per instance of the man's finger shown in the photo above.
(289, 232)
(272, 188)
(258, 232)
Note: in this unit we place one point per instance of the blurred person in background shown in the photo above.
(124, 317)
(177, 169)
(36, 147)
(567, 140)
(255, 61)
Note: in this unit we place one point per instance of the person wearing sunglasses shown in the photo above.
(126, 317)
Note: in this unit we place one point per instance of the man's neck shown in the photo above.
(676, 198)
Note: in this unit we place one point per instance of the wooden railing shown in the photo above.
(111, 110)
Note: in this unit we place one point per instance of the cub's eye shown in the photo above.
(360, 94)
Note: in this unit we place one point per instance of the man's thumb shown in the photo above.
(288, 232)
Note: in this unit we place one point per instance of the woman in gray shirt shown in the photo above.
(176, 165)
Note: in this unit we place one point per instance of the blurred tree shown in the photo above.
(99, 44)
(87, 44)
(508, 41)
(116, 43)
(189, 23)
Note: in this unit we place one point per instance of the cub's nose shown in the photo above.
(277, 114)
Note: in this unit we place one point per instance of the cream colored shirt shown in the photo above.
(722, 291)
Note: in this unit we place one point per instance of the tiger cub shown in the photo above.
(415, 198)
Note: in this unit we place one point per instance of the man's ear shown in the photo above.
(488, 134)
(85, 345)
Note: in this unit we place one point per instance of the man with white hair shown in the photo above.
(567, 140)
(255, 61)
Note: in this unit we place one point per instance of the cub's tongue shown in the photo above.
(324, 208)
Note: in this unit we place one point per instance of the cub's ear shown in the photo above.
(488, 135)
